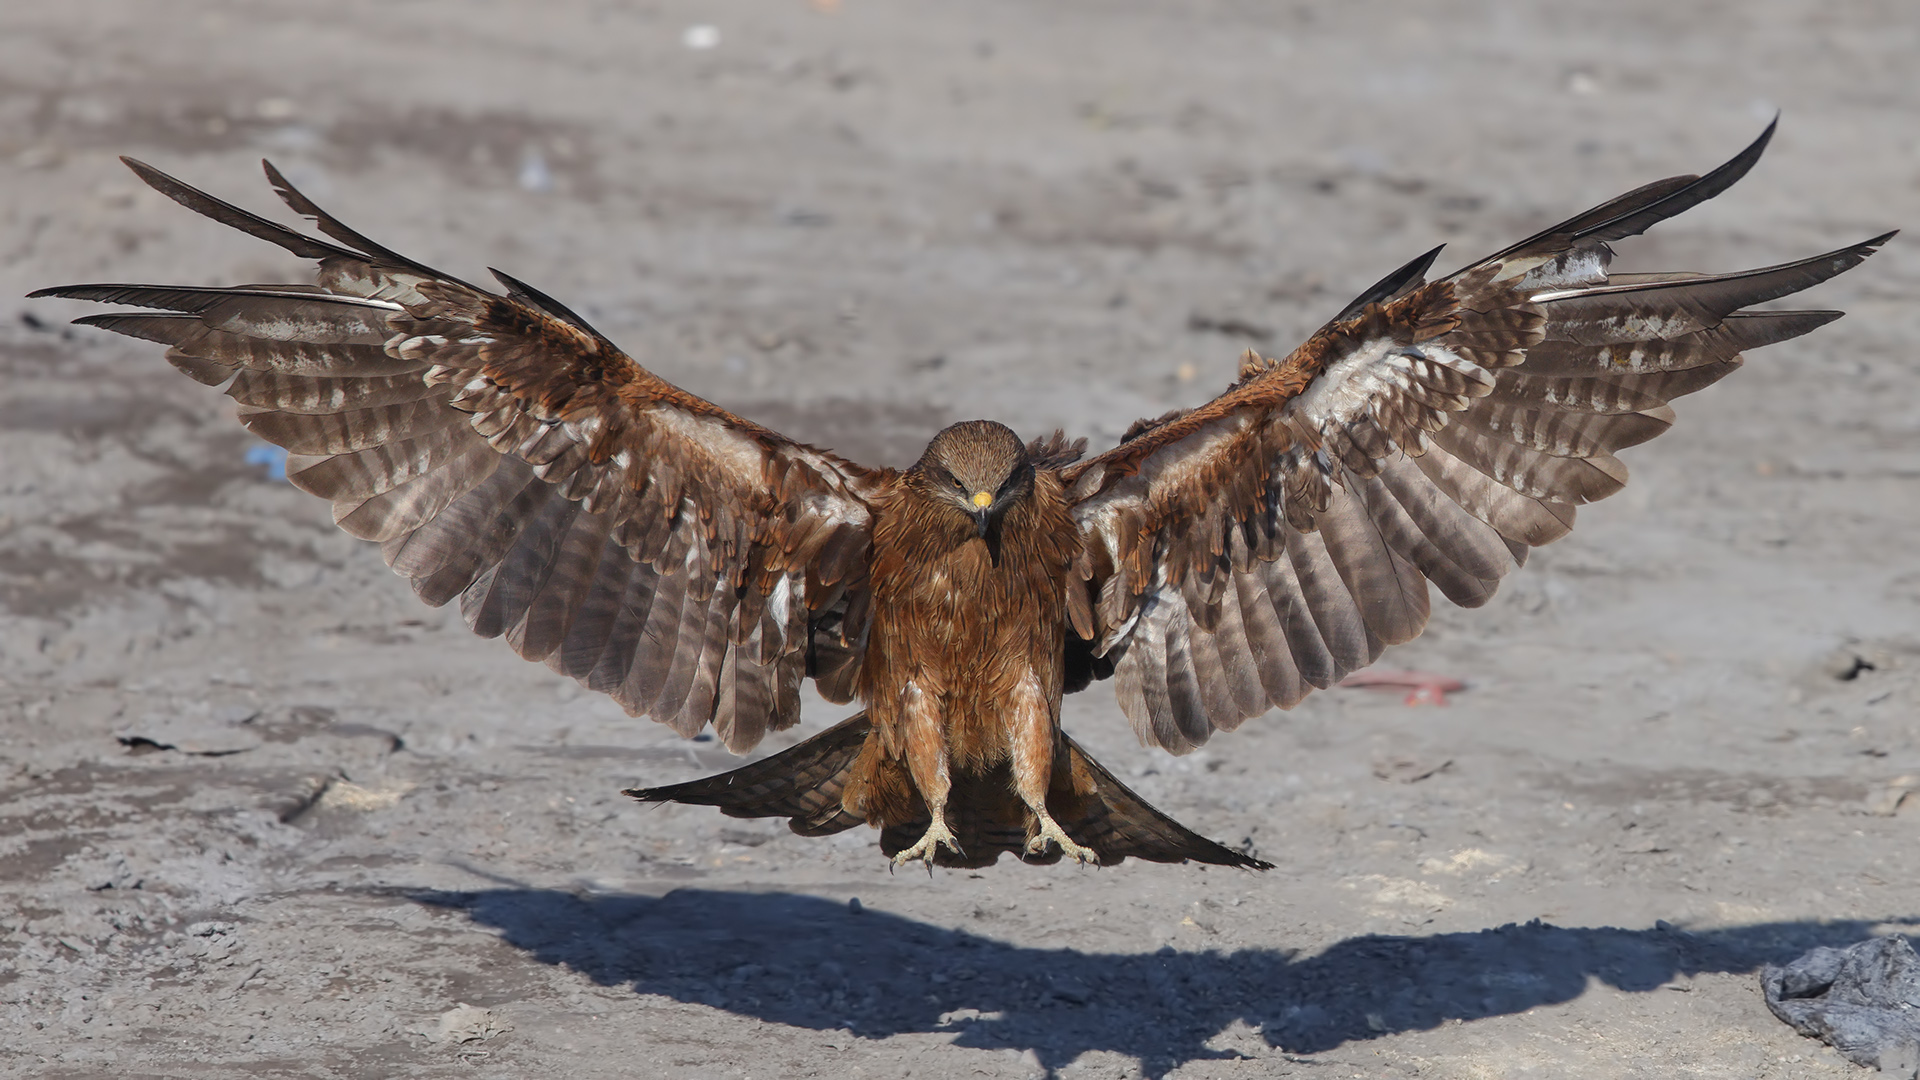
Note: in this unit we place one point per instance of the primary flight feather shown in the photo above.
(1219, 562)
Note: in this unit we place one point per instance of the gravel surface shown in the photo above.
(262, 814)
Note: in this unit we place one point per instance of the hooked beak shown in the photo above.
(982, 511)
(985, 526)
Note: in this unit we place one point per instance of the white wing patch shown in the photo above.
(1356, 386)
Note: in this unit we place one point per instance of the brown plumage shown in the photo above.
(1219, 562)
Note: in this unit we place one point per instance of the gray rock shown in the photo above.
(1863, 1000)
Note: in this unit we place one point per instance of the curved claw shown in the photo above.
(1051, 832)
(936, 837)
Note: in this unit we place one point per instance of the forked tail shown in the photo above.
(805, 783)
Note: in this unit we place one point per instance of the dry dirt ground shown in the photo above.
(1689, 730)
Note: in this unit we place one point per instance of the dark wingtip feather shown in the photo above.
(148, 296)
(334, 227)
(230, 215)
(527, 294)
(1754, 329)
(74, 292)
(1755, 286)
(300, 204)
(1638, 220)
(1392, 285)
(146, 325)
(198, 298)
(1640, 209)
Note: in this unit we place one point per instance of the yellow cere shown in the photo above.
(982, 498)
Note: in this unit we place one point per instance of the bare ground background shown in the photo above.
(1691, 727)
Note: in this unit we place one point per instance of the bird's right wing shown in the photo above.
(691, 564)
(1244, 553)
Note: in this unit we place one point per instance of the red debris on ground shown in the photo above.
(1424, 687)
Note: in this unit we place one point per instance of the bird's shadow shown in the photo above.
(815, 963)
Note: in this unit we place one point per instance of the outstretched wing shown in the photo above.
(1243, 553)
(691, 564)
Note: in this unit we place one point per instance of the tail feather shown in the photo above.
(805, 785)
(1115, 822)
(802, 783)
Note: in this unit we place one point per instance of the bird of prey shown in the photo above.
(1219, 562)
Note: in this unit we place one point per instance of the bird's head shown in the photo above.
(979, 469)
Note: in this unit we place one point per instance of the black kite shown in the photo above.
(1219, 562)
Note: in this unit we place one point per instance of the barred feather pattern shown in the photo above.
(632, 536)
(1268, 543)
(1231, 558)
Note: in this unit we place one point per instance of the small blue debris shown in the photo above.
(273, 457)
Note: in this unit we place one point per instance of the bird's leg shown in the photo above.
(1034, 735)
(927, 762)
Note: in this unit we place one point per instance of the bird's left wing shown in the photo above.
(1241, 554)
(690, 563)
